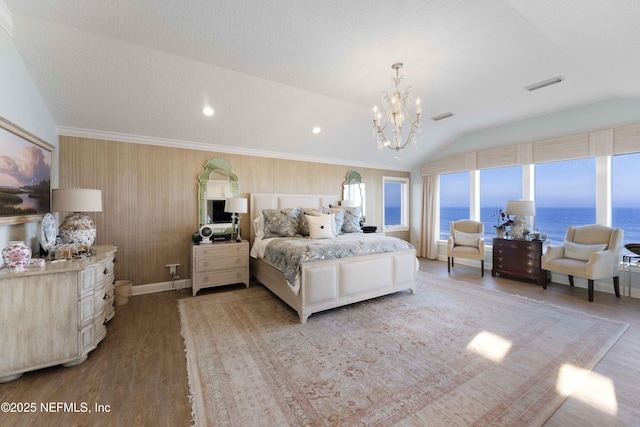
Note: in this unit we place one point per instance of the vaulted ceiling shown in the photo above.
(142, 70)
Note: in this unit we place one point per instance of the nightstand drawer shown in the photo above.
(223, 277)
(220, 263)
(221, 249)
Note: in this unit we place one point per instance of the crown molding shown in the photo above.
(192, 145)
(6, 18)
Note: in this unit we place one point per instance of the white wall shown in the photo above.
(21, 103)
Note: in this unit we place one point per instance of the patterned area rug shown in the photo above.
(452, 354)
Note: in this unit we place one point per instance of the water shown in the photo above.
(392, 215)
(553, 221)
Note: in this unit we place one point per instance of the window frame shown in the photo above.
(404, 204)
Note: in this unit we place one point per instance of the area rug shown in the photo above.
(453, 354)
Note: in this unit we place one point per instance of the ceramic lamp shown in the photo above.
(77, 227)
(520, 209)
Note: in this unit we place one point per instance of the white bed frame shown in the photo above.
(332, 283)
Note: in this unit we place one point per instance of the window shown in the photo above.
(625, 203)
(455, 197)
(395, 196)
(565, 195)
(496, 187)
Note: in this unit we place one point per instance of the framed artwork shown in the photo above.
(26, 170)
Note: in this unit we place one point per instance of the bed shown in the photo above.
(330, 283)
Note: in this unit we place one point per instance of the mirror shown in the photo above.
(353, 190)
(215, 184)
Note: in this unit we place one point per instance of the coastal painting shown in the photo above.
(25, 175)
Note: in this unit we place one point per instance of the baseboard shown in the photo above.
(160, 287)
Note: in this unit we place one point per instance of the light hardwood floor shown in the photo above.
(139, 370)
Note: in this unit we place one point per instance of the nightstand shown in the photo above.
(219, 264)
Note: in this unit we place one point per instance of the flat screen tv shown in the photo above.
(216, 213)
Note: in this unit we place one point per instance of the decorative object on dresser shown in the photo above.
(520, 210)
(77, 227)
(236, 206)
(224, 263)
(56, 314)
(466, 241)
(520, 259)
(590, 251)
(396, 111)
(16, 256)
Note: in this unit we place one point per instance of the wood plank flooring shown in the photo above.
(139, 370)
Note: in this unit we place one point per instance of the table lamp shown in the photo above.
(520, 209)
(237, 206)
(77, 227)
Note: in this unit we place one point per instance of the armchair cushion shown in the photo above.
(582, 252)
(460, 238)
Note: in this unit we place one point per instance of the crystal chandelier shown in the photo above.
(397, 110)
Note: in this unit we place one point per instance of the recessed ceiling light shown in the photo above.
(207, 111)
(544, 83)
(316, 130)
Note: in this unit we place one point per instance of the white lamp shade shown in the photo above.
(236, 205)
(350, 203)
(521, 207)
(76, 200)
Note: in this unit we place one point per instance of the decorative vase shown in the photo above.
(499, 233)
(16, 256)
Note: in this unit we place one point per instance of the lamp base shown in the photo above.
(78, 228)
(520, 227)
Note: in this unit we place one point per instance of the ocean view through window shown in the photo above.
(395, 196)
(564, 194)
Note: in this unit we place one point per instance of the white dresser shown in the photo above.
(218, 264)
(56, 314)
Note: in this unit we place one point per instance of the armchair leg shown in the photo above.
(482, 267)
(616, 285)
(448, 264)
(590, 290)
(571, 280)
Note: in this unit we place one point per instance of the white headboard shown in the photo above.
(261, 201)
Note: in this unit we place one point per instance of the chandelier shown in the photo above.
(397, 110)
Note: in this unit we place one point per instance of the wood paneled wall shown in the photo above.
(150, 205)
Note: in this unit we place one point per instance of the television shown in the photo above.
(216, 213)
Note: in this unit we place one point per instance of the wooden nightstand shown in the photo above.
(519, 258)
(218, 264)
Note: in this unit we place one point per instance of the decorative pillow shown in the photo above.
(352, 218)
(581, 252)
(466, 239)
(258, 227)
(321, 227)
(303, 225)
(339, 213)
(281, 223)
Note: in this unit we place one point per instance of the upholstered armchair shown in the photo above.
(466, 241)
(589, 251)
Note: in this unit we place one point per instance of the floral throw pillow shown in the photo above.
(303, 225)
(351, 222)
(281, 223)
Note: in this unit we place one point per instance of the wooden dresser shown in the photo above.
(56, 314)
(219, 263)
(520, 259)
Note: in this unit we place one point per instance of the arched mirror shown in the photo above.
(215, 184)
(353, 191)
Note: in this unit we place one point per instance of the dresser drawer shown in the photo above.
(222, 277)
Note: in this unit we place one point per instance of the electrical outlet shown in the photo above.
(176, 277)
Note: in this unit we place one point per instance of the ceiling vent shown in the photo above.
(544, 83)
(441, 116)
